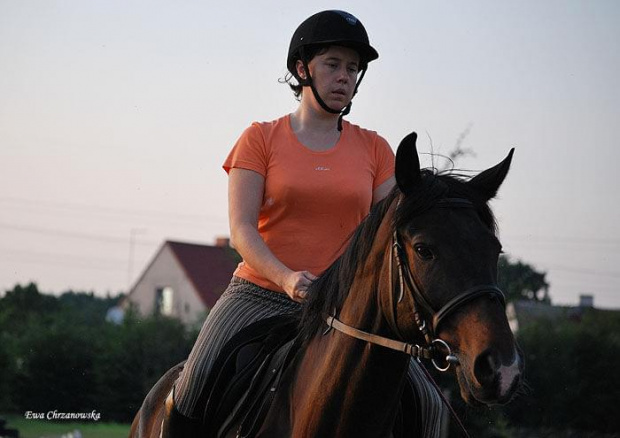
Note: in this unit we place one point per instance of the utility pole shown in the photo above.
(132, 241)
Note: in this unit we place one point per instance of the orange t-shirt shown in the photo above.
(312, 201)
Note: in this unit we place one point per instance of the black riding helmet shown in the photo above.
(329, 28)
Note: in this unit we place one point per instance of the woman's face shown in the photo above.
(334, 74)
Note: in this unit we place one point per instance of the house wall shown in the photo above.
(165, 271)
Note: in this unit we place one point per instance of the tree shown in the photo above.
(571, 366)
(520, 281)
(7, 372)
(134, 355)
(23, 304)
(59, 353)
(56, 366)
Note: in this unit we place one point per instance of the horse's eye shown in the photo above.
(424, 252)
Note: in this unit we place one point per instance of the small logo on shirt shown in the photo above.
(321, 168)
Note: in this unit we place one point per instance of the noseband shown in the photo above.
(436, 349)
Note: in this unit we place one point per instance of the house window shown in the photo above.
(164, 298)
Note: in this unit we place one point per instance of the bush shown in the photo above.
(55, 368)
(570, 368)
(59, 353)
(134, 356)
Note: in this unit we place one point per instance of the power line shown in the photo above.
(80, 262)
(125, 241)
(200, 219)
(585, 271)
(581, 285)
(510, 247)
(573, 240)
(73, 261)
(72, 234)
(98, 209)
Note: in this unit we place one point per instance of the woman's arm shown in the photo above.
(245, 196)
(383, 190)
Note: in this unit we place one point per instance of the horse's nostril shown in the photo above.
(485, 368)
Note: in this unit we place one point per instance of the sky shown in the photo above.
(115, 118)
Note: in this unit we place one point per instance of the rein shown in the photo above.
(412, 350)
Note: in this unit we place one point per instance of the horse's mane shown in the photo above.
(329, 291)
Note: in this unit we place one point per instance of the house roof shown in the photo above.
(209, 268)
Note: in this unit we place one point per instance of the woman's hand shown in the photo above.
(296, 284)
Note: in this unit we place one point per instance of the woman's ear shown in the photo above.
(301, 71)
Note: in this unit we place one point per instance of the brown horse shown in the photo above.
(417, 279)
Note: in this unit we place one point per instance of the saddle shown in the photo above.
(245, 376)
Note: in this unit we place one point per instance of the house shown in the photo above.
(183, 280)
(525, 312)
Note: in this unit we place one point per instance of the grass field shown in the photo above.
(54, 429)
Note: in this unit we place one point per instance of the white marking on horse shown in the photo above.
(507, 375)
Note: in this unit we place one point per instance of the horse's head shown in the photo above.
(449, 251)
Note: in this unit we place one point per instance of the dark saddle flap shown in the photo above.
(238, 390)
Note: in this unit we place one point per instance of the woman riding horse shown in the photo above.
(418, 278)
(298, 188)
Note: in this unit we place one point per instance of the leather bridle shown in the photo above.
(436, 349)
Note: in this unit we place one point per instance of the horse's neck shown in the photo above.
(348, 386)
(358, 383)
(364, 305)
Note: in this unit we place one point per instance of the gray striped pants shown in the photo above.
(243, 303)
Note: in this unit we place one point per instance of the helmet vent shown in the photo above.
(349, 17)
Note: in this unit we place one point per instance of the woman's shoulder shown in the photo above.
(358, 130)
(263, 131)
(268, 127)
(365, 136)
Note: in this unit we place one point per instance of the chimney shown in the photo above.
(222, 242)
(586, 301)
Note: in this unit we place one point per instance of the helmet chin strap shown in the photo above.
(309, 82)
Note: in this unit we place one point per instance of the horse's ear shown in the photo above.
(407, 164)
(487, 183)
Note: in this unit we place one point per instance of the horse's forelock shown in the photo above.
(458, 188)
(436, 186)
